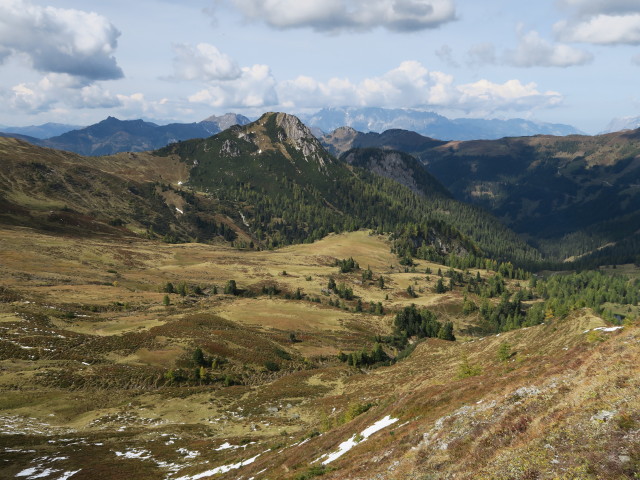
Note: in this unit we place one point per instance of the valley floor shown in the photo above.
(100, 375)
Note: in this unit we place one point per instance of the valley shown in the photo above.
(98, 372)
(250, 306)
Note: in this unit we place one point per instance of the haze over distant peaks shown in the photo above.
(227, 120)
(113, 135)
(622, 123)
(46, 130)
(430, 124)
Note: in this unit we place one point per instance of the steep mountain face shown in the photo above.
(429, 124)
(346, 138)
(398, 166)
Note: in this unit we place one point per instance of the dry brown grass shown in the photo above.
(94, 341)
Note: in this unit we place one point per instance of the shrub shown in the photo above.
(504, 352)
(231, 288)
(466, 369)
(271, 366)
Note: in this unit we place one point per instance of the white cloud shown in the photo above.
(255, 87)
(57, 90)
(203, 62)
(351, 15)
(411, 85)
(601, 29)
(60, 40)
(486, 97)
(594, 7)
(601, 22)
(534, 51)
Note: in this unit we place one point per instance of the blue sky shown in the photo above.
(562, 61)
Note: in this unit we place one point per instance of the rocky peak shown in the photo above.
(227, 120)
(298, 135)
(344, 132)
(294, 129)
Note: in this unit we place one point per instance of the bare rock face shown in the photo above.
(229, 149)
(300, 136)
(344, 133)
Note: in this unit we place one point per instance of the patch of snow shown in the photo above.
(67, 475)
(27, 472)
(221, 469)
(225, 446)
(188, 453)
(344, 447)
(35, 472)
(604, 329)
(135, 453)
(608, 329)
(179, 211)
(179, 183)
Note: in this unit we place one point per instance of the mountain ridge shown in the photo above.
(112, 135)
(429, 123)
(572, 196)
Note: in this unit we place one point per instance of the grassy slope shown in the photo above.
(76, 386)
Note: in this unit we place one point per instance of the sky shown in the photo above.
(78, 61)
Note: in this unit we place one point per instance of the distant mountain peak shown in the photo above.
(227, 120)
(623, 123)
(289, 131)
(430, 124)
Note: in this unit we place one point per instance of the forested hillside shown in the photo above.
(289, 189)
(573, 198)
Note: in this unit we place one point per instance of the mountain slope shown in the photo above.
(288, 187)
(346, 138)
(103, 378)
(572, 196)
(124, 194)
(267, 184)
(429, 123)
(398, 166)
(112, 136)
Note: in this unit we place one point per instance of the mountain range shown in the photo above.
(46, 130)
(623, 123)
(430, 124)
(572, 197)
(263, 304)
(112, 135)
(569, 196)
